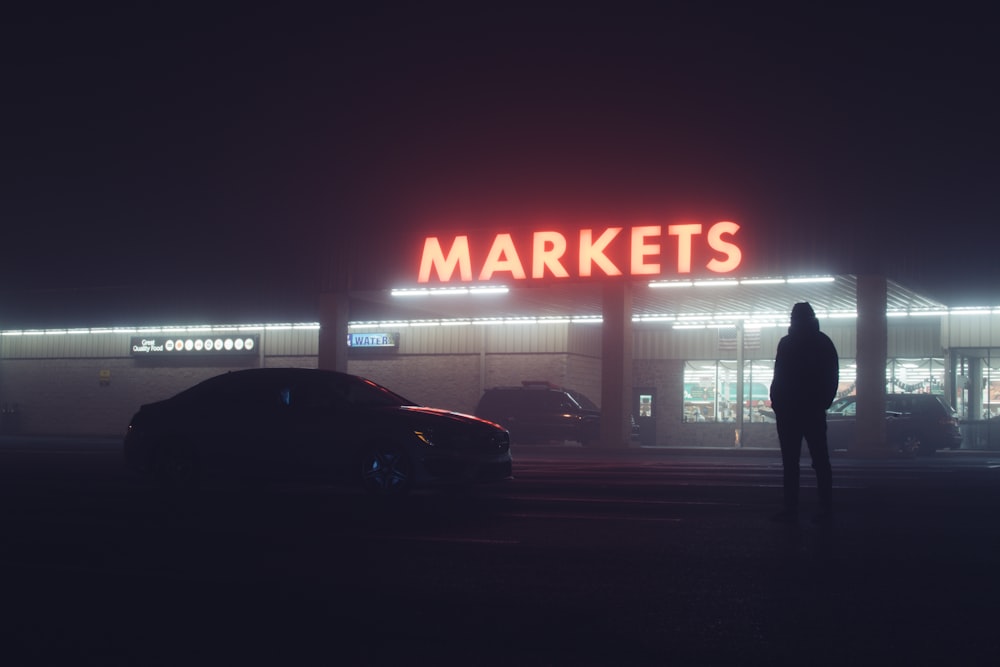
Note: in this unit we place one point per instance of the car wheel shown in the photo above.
(176, 467)
(386, 470)
(909, 445)
(925, 449)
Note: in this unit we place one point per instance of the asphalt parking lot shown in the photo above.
(587, 557)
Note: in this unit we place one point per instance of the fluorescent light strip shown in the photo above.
(742, 281)
(716, 283)
(195, 329)
(497, 289)
(452, 291)
(813, 279)
(378, 325)
(763, 281)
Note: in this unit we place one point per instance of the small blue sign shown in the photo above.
(373, 340)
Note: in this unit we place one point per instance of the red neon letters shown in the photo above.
(549, 249)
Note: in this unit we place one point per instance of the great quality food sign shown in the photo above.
(146, 346)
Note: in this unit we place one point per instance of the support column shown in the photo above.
(872, 336)
(741, 397)
(333, 318)
(616, 364)
(974, 406)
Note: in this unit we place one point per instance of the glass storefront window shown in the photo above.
(978, 381)
(700, 384)
(711, 391)
(991, 397)
(710, 387)
(915, 376)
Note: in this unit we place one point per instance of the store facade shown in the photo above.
(654, 323)
(693, 381)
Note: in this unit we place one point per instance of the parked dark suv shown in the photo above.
(540, 412)
(915, 423)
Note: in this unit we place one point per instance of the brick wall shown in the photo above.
(453, 381)
(667, 377)
(96, 395)
(441, 381)
(89, 396)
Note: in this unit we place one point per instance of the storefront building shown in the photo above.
(697, 379)
(688, 352)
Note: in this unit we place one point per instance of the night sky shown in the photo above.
(219, 160)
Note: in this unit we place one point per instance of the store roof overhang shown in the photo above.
(830, 296)
(681, 301)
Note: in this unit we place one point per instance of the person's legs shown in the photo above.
(819, 452)
(790, 439)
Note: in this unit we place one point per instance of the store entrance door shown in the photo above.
(643, 409)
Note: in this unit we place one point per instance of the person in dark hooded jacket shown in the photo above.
(806, 376)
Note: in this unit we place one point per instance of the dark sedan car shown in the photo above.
(294, 423)
(915, 424)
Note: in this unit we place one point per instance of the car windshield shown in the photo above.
(584, 402)
(367, 393)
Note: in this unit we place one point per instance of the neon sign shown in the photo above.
(595, 252)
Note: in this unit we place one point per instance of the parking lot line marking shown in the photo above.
(423, 538)
(599, 517)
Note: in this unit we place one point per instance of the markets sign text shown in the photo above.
(648, 250)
